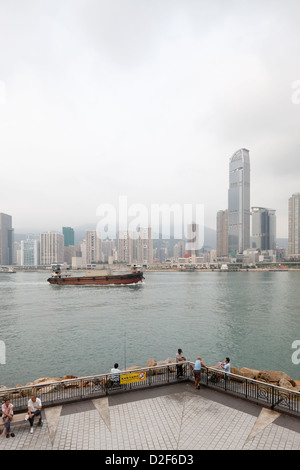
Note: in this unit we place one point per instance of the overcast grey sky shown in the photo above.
(147, 99)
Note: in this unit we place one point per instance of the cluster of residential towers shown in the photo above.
(241, 230)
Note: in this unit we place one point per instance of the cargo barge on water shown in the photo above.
(108, 279)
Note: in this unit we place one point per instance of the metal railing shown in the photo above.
(272, 396)
(71, 390)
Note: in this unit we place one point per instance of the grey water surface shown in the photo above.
(51, 331)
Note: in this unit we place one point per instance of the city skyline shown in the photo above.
(99, 100)
(239, 177)
(138, 247)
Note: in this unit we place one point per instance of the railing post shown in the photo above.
(81, 388)
(106, 388)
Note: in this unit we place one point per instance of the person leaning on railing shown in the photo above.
(197, 371)
(226, 367)
(179, 358)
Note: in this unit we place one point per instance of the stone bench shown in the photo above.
(18, 418)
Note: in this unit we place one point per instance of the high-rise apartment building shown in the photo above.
(263, 228)
(6, 239)
(135, 248)
(179, 250)
(125, 247)
(222, 234)
(51, 248)
(294, 224)
(108, 249)
(30, 252)
(239, 202)
(144, 247)
(93, 247)
(68, 233)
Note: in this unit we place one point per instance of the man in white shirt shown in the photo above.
(34, 409)
(226, 367)
(115, 371)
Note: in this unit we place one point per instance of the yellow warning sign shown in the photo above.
(132, 377)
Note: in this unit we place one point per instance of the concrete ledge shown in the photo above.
(17, 419)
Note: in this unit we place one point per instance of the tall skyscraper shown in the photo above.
(51, 248)
(222, 233)
(294, 224)
(6, 239)
(239, 202)
(263, 228)
(68, 233)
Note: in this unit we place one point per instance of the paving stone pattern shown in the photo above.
(166, 418)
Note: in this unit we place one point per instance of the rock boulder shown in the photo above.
(274, 377)
(249, 373)
(285, 384)
(151, 363)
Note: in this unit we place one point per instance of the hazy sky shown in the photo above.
(146, 99)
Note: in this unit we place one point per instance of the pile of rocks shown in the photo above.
(273, 377)
(268, 376)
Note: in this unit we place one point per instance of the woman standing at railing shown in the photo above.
(197, 371)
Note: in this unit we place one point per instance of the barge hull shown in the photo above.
(97, 280)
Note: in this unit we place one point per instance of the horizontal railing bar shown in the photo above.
(65, 390)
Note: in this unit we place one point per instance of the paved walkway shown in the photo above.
(173, 417)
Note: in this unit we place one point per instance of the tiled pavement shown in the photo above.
(173, 417)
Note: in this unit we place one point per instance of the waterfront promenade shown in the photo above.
(173, 417)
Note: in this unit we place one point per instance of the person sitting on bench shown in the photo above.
(34, 409)
(115, 377)
(7, 416)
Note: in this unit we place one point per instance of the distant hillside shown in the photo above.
(282, 243)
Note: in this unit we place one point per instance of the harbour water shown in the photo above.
(51, 331)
